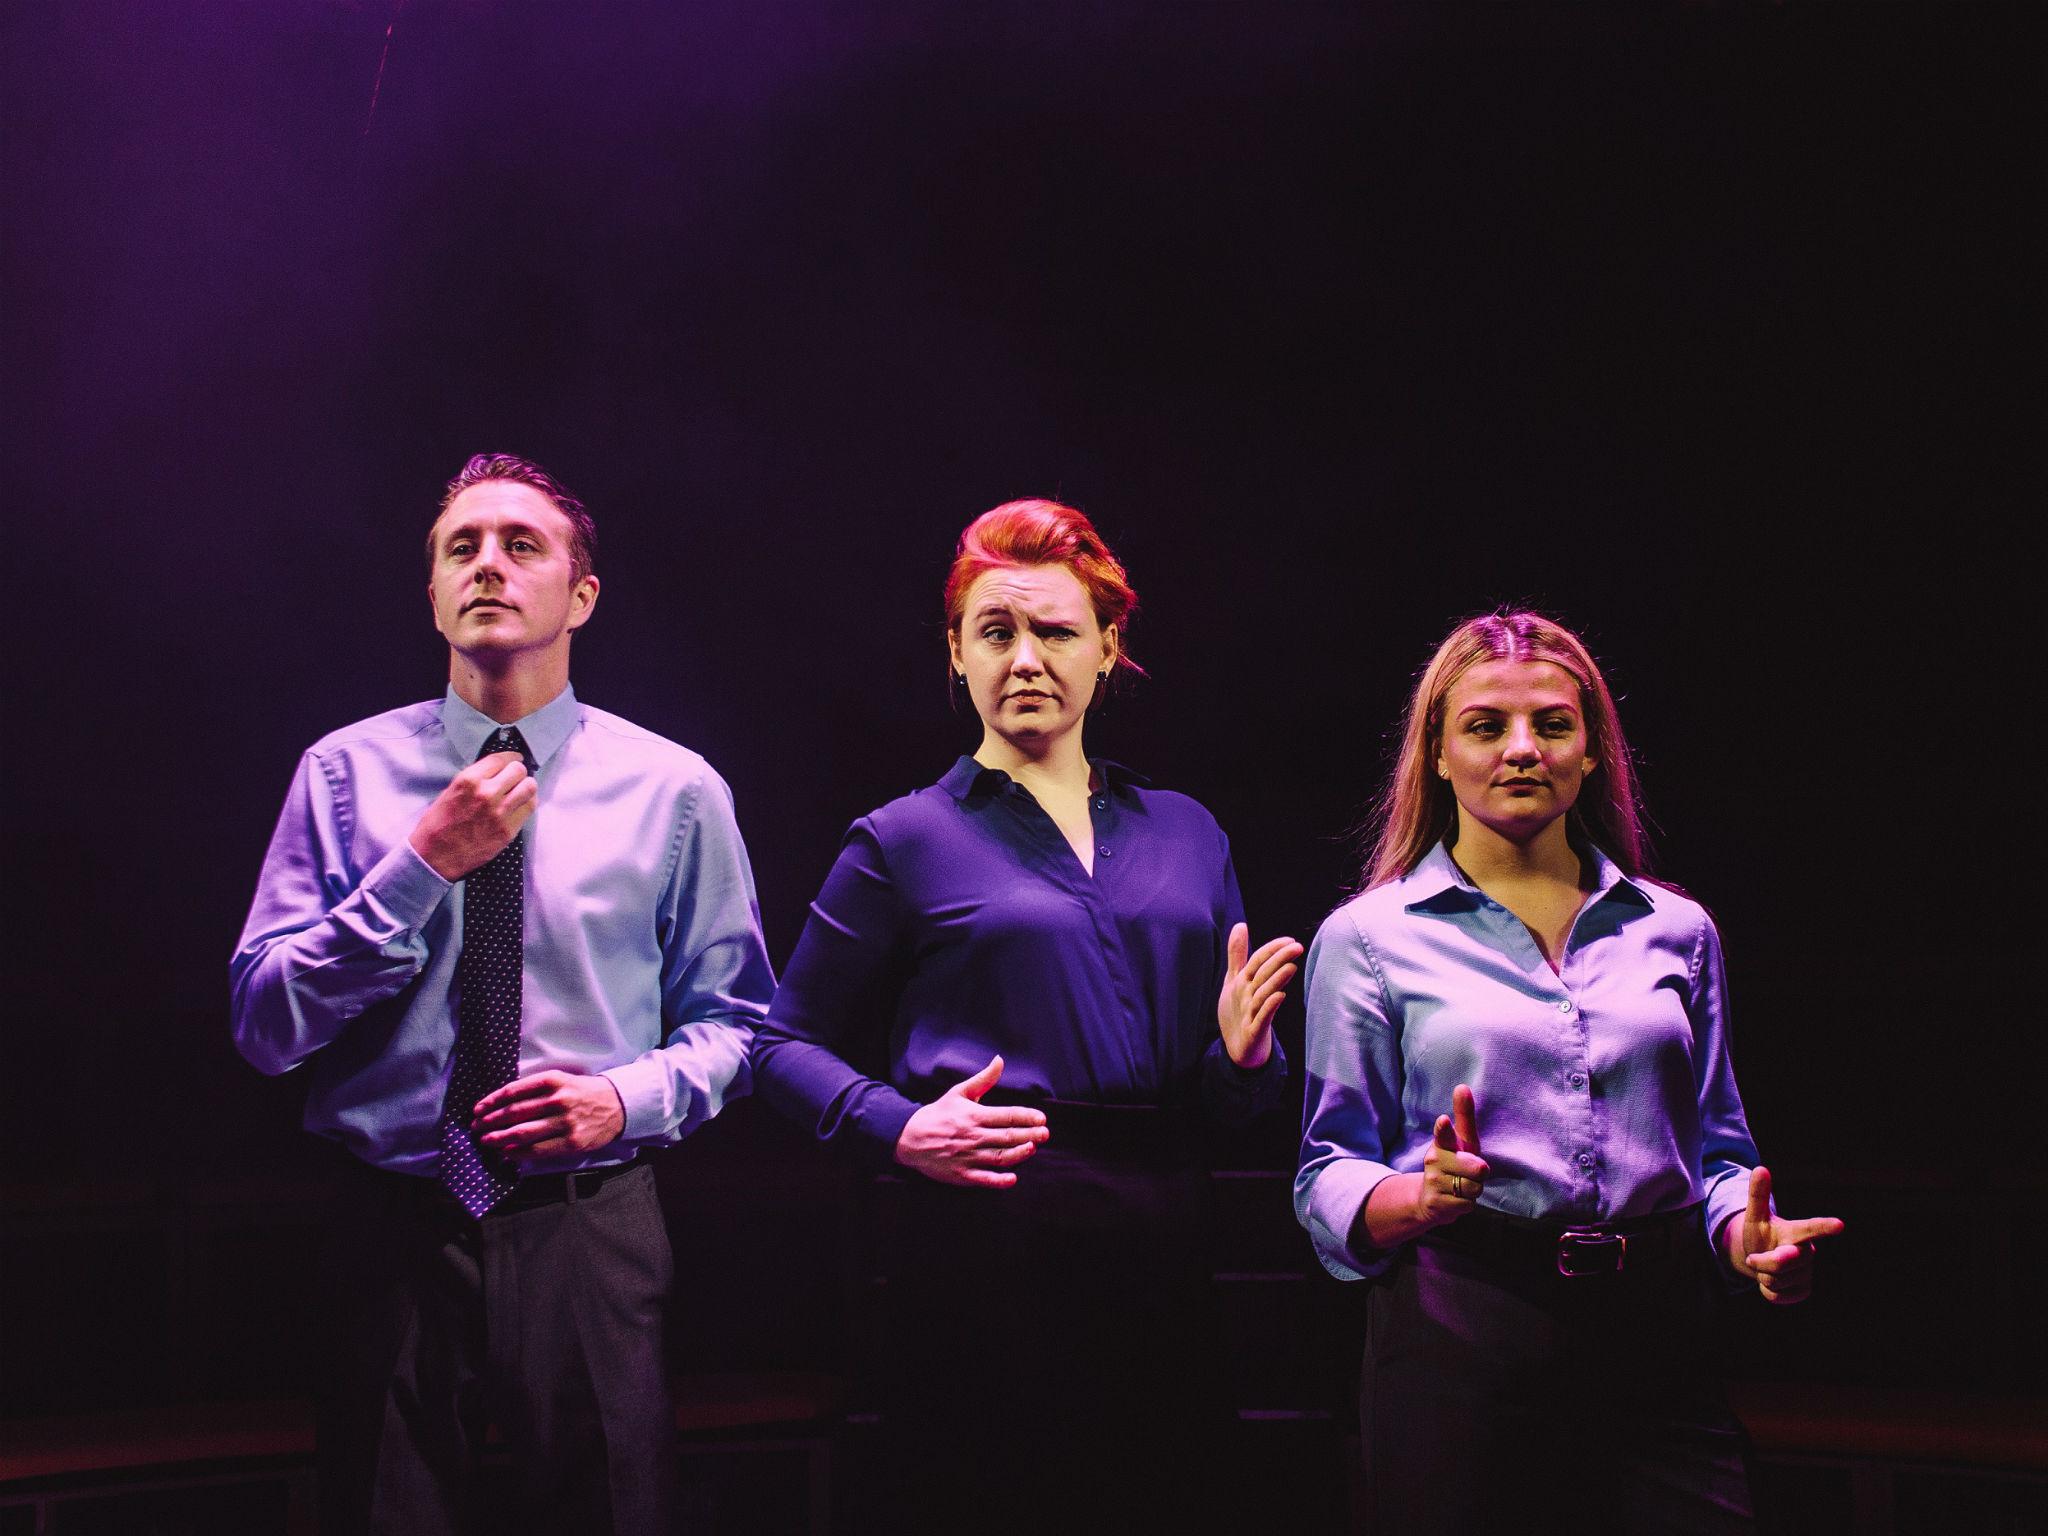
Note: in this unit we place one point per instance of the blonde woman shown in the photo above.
(1522, 1122)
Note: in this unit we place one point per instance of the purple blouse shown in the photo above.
(958, 924)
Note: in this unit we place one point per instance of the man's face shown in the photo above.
(503, 580)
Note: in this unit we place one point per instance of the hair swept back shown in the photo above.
(510, 466)
(1039, 532)
(1416, 810)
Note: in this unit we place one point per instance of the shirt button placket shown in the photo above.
(1578, 1077)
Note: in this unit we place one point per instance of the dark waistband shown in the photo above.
(1572, 1248)
(1163, 1133)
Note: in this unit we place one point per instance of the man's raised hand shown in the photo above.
(473, 820)
(956, 1139)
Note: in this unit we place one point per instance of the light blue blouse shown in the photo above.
(1604, 1088)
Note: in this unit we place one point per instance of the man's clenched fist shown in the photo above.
(476, 816)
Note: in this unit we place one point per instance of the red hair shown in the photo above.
(1036, 532)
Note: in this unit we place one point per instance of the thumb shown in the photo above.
(1446, 1139)
(1757, 1218)
(1465, 1119)
(974, 1087)
(1240, 946)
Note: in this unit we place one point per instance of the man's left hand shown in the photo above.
(550, 1114)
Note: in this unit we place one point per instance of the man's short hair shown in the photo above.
(509, 466)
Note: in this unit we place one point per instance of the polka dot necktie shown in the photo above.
(490, 979)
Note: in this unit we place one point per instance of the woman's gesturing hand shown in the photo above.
(1777, 1254)
(1253, 989)
(958, 1140)
(1403, 1206)
(1453, 1172)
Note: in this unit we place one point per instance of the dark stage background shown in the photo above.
(1704, 327)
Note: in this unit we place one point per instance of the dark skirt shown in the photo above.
(1499, 1394)
(1055, 1342)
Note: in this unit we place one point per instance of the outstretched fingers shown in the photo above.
(1809, 1228)
(1271, 956)
(1002, 1116)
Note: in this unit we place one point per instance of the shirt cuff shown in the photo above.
(1275, 1062)
(1727, 1198)
(1335, 1198)
(404, 887)
(643, 1088)
(882, 1123)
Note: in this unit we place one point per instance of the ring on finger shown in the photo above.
(1458, 1185)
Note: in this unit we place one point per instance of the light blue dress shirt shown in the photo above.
(644, 957)
(1604, 1088)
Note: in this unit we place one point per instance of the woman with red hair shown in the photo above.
(1045, 962)
(1522, 1123)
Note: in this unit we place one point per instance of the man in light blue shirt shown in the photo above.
(499, 1257)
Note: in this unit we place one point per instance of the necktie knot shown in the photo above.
(506, 738)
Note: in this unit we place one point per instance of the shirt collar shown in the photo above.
(968, 777)
(1438, 885)
(545, 729)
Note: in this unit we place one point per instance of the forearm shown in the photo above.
(298, 982)
(813, 1086)
(1392, 1214)
(670, 1091)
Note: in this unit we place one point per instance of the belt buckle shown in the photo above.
(1584, 1251)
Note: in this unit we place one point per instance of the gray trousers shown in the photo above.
(542, 1322)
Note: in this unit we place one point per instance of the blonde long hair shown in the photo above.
(1417, 810)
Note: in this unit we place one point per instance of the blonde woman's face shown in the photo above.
(1514, 747)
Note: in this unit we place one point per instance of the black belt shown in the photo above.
(555, 1188)
(530, 1193)
(1571, 1248)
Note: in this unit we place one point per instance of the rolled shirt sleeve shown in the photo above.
(1353, 1092)
(1727, 1151)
